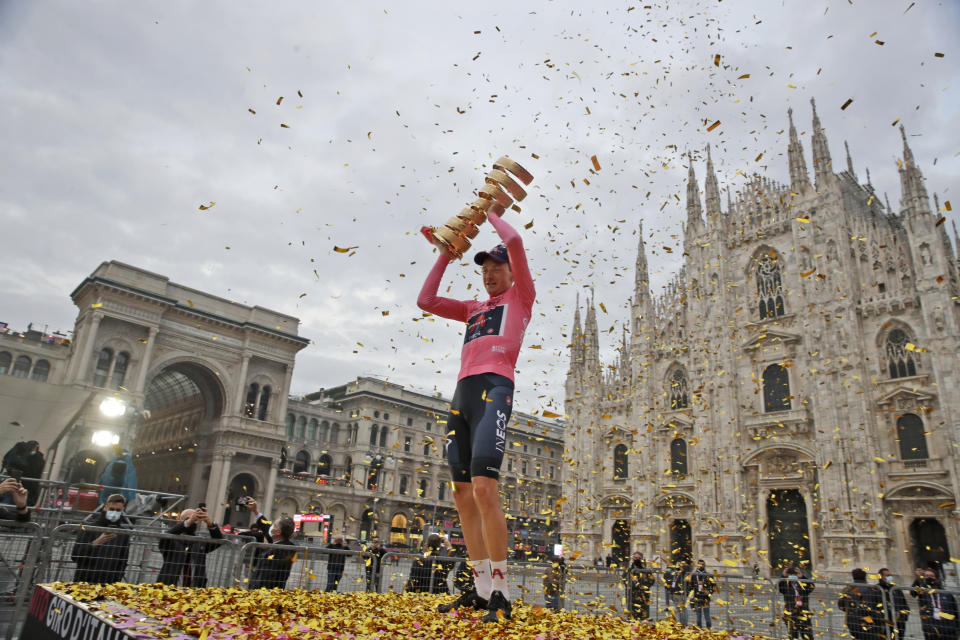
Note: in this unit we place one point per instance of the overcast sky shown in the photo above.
(120, 119)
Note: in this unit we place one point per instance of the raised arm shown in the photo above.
(429, 301)
(518, 257)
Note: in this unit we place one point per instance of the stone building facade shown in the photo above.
(792, 396)
(370, 453)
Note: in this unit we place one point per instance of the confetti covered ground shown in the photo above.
(223, 614)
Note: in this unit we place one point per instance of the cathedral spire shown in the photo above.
(849, 159)
(576, 341)
(822, 165)
(913, 194)
(642, 307)
(694, 209)
(799, 179)
(711, 191)
(591, 339)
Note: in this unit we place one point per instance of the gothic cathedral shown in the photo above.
(793, 396)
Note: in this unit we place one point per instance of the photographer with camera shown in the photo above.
(185, 563)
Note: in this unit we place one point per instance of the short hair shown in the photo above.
(883, 569)
(859, 575)
(433, 541)
(116, 497)
(286, 527)
(792, 571)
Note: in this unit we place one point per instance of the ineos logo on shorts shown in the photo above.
(501, 430)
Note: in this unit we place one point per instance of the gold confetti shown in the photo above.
(596, 163)
(846, 104)
(204, 207)
(344, 249)
(713, 126)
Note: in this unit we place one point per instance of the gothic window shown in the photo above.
(776, 388)
(21, 367)
(441, 490)
(679, 398)
(323, 465)
(900, 362)
(5, 360)
(373, 473)
(119, 370)
(334, 433)
(250, 407)
(620, 469)
(312, 429)
(323, 434)
(291, 420)
(678, 457)
(383, 436)
(41, 371)
(404, 480)
(301, 428)
(769, 287)
(422, 490)
(406, 444)
(348, 472)
(913, 440)
(264, 402)
(373, 435)
(103, 367)
(426, 448)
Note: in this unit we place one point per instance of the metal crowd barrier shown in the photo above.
(313, 568)
(20, 545)
(145, 562)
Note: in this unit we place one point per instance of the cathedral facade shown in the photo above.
(792, 397)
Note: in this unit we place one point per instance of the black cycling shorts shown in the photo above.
(479, 415)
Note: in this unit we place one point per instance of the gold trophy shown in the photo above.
(498, 193)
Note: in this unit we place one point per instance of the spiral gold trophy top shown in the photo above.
(499, 191)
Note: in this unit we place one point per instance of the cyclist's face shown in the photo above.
(497, 276)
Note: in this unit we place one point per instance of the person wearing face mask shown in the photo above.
(101, 558)
(896, 604)
(795, 589)
(273, 567)
(938, 609)
(185, 562)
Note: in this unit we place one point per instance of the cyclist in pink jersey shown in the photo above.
(481, 407)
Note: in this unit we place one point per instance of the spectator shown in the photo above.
(273, 567)
(796, 590)
(376, 551)
(13, 494)
(863, 604)
(185, 562)
(700, 586)
(260, 529)
(429, 572)
(674, 579)
(896, 604)
(101, 558)
(598, 562)
(639, 579)
(938, 609)
(554, 583)
(335, 564)
(25, 463)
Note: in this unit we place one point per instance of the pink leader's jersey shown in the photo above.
(495, 327)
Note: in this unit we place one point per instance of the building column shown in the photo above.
(145, 362)
(194, 492)
(241, 386)
(219, 468)
(267, 506)
(91, 338)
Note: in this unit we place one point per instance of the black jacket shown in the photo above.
(792, 591)
(932, 600)
(639, 581)
(336, 561)
(896, 601)
(273, 567)
(429, 574)
(186, 559)
(673, 580)
(863, 604)
(700, 586)
(103, 563)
